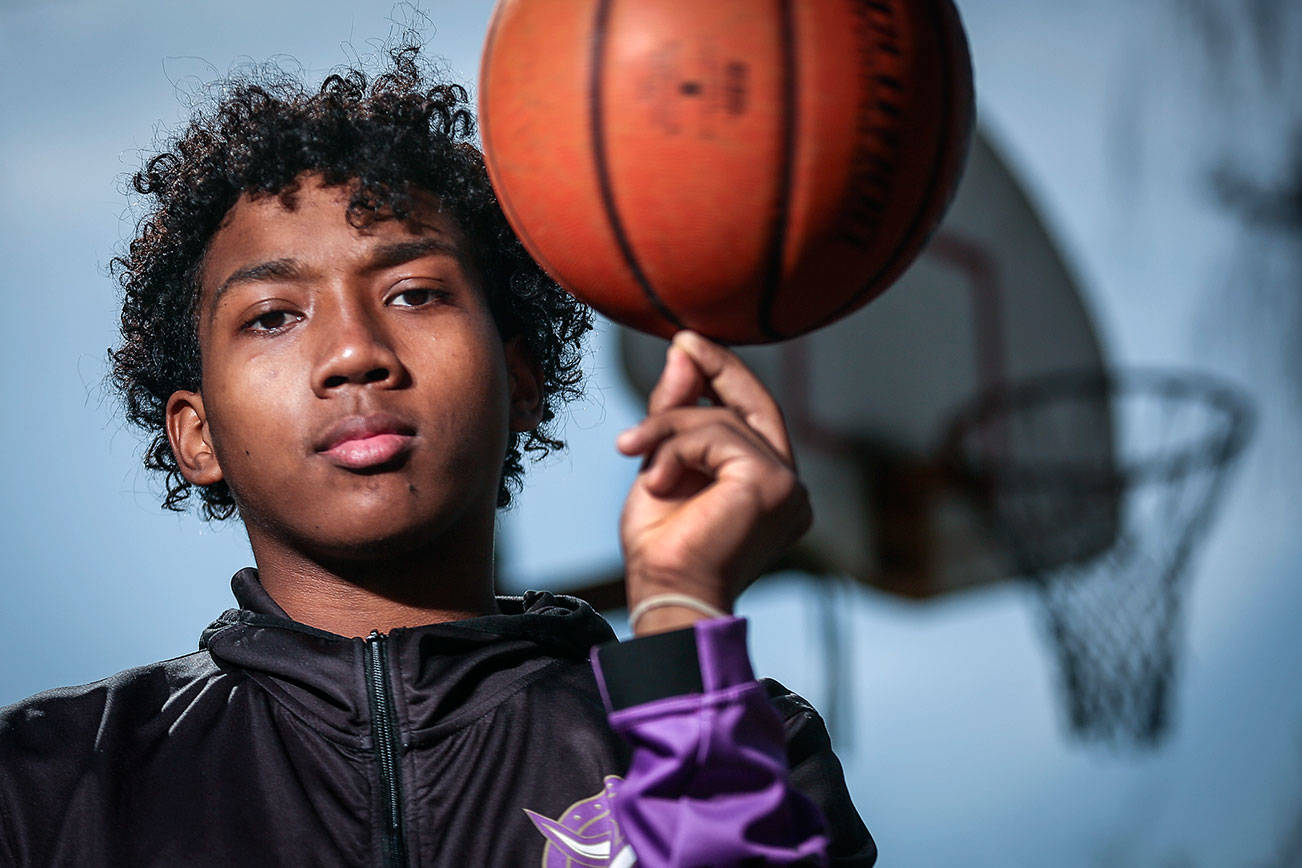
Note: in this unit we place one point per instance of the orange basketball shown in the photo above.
(748, 169)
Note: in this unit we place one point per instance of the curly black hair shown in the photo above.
(386, 139)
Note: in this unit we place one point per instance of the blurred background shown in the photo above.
(1159, 145)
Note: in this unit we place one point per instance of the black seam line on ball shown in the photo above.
(907, 241)
(786, 170)
(599, 159)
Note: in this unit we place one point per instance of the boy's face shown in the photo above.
(356, 395)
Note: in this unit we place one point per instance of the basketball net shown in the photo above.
(1106, 537)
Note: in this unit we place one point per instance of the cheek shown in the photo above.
(473, 409)
(468, 372)
(249, 421)
(496, 385)
(480, 405)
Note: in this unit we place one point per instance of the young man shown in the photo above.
(329, 329)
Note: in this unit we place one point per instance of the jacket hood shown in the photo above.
(443, 675)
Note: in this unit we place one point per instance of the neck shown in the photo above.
(436, 582)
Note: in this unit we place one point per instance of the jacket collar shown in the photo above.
(442, 675)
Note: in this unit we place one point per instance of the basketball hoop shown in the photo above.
(1105, 533)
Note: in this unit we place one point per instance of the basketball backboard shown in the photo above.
(869, 400)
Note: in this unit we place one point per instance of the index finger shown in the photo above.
(738, 388)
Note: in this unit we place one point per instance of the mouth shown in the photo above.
(366, 442)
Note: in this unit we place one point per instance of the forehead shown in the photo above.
(310, 224)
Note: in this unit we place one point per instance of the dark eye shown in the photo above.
(416, 297)
(271, 321)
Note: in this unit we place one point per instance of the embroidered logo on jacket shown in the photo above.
(586, 835)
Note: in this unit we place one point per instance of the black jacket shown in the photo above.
(280, 744)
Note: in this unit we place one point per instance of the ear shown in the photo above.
(526, 379)
(187, 431)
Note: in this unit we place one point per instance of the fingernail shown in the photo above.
(688, 342)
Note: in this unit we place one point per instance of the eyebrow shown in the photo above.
(400, 252)
(381, 257)
(263, 272)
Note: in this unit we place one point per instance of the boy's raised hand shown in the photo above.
(717, 498)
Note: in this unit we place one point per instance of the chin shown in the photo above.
(381, 533)
(373, 518)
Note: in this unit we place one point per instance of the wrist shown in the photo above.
(644, 582)
(666, 618)
(670, 610)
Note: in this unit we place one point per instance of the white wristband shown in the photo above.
(657, 601)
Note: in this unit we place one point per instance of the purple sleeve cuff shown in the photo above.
(708, 782)
(711, 655)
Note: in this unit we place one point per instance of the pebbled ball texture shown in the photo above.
(750, 169)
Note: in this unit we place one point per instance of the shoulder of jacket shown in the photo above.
(54, 742)
(806, 731)
(816, 771)
(783, 699)
(63, 713)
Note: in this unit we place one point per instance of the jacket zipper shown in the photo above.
(383, 734)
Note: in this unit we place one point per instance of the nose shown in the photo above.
(356, 353)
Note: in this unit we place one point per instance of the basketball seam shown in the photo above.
(786, 169)
(910, 235)
(596, 120)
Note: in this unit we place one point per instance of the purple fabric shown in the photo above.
(721, 648)
(708, 784)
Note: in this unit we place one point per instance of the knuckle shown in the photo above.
(713, 429)
(719, 427)
(780, 488)
(695, 417)
(756, 502)
(789, 483)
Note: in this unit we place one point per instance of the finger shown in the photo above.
(738, 388)
(712, 452)
(681, 382)
(647, 434)
(694, 469)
